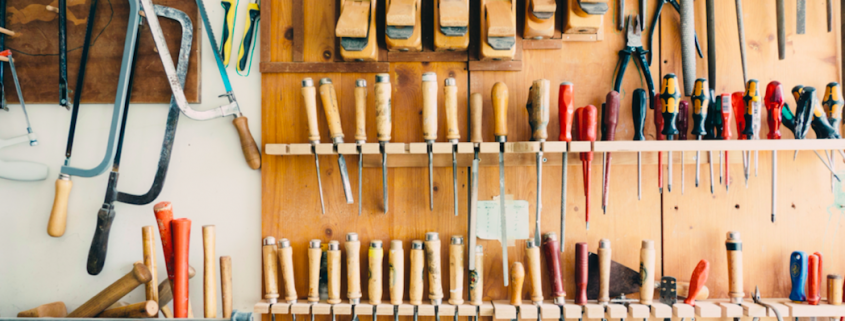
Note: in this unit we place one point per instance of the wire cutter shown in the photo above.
(634, 46)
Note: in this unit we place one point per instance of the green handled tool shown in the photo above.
(230, 7)
(253, 14)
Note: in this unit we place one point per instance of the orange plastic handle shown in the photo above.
(774, 105)
(696, 284)
(566, 111)
(164, 215)
(738, 105)
(181, 241)
(814, 279)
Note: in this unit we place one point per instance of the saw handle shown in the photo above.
(566, 110)
(647, 272)
(699, 277)
(813, 279)
(581, 271)
(383, 91)
(538, 109)
(551, 250)
(517, 277)
(429, 105)
(774, 105)
(450, 100)
(638, 112)
(248, 146)
(476, 109)
(360, 110)
(500, 110)
(58, 215)
(396, 273)
(100, 244)
(700, 100)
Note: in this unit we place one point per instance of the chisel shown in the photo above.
(285, 254)
(230, 8)
(396, 276)
(587, 132)
(532, 257)
(360, 131)
(333, 275)
(683, 127)
(733, 245)
(798, 275)
(796, 93)
(550, 251)
(581, 270)
(332, 110)
(538, 119)
(658, 135)
(725, 102)
(453, 133)
(774, 105)
(209, 287)
(384, 125)
(415, 282)
(500, 114)
(476, 106)
(309, 98)
(376, 259)
(456, 272)
(517, 277)
(638, 112)
(429, 113)
(315, 254)
(476, 280)
(700, 99)
(670, 97)
(432, 264)
(604, 272)
(271, 281)
(566, 111)
(353, 271)
(610, 116)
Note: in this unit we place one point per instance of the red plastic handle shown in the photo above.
(6, 53)
(587, 124)
(566, 111)
(774, 105)
(699, 277)
(683, 119)
(581, 271)
(551, 249)
(726, 116)
(164, 214)
(738, 105)
(181, 241)
(813, 279)
(658, 119)
(611, 115)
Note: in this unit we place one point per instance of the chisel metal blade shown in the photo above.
(344, 177)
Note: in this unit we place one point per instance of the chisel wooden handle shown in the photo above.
(647, 272)
(500, 111)
(532, 256)
(309, 99)
(145, 309)
(108, 296)
(384, 122)
(733, 244)
(798, 274)
(415, 283)
(450, 100)
(517, 277)
(476, 278)
(538, 110)
(248, 146)
(581, 271)
(699, 277)
(181, 242)
(774, 105)
(226, 285)
(432, 263)
(566, 110)
(813, 280)
(164, 215)
(429, 106)
(328, 97)
(360, 110)
(456, 270)
(396, 273)
(148, 241)
(604, 253)
(551, 250)
(315, 253)
(834, 289)
(52, 310)
(271, 281)
(285, 254)
(333, 268)
(353, 268)
(58, 215)
(476, 109)
(208, 273)
(376, 260)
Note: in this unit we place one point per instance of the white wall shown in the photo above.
(208, 182)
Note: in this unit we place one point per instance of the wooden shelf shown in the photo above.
(501, 309)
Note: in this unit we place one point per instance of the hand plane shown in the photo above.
(584, 17)
(451, 21)
(356, 29)
(498, 30)
(539, 19)
(403, 31)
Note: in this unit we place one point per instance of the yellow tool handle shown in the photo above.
(415, 283)
(456, 270)
(517, 277)
(315, 253)
(396, 273)
(253, 14)
(383, 92)
(271, 281)
(647, 272)
(333, 267)
(330, 106)
(353, 267)
(538, 111)
(532, 257)
(309, 99)
(476, 278)
(429, 104)
(285, 253)
(500, 110)
(361, 110)
(209, 286)
(58, 215)
(476, 109)
(230, 7)
(450, 97)
(376, 258)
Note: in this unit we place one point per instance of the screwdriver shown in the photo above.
(476, 106)
(453, 134)
(774, 105)
(738, 103)
(799, 129)
(429, 113)
(797, 91)
(384, 124)
(725, 101)
(798, 275)
(700, 98)
(638, 112)
(832, 102)
(581, 271)
(309, 98)
(587, 132)
(538, 119)
(683, 127)
(566, 111)
(669, 98)
(500, 113)
(658, 135)
(610, 116)
(332, 110)
(360, 131)
(752, 119)
(713, 124)
(550, 252)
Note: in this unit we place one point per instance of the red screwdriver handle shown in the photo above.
(587, 123)
(738, 109)
(696, 284)
(813, 279)
(658, 119)
(611, 115)
(726, 116)
(566, 110)
(774, 105)
(581, 268)
(683, 120)
(551, 249)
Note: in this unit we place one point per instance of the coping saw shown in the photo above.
(20, 170)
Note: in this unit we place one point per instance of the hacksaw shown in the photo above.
(20, 170)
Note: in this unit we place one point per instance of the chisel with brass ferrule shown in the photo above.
(360, 131)
(453, 133)
(538, 119)
(384, 125)
(429, 113)
(476, 107)
(332, 110)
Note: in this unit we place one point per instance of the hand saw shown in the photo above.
(106, 214)
(20, 170)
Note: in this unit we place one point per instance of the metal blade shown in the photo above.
(504, 231)
(539, 198)
(455, 177)
(473, 211)
(384, 178)
(563, 202)
(319, 182)
(360, 177)
(344, 176)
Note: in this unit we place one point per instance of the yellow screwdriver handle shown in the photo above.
(230, 7)
(253, 14)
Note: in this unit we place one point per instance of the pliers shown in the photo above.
(677, 7)
(756, 297)
(634, 46)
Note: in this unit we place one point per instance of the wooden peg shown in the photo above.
(539, 19)
(451, 25)
(396, 273)
(271, 281)
(581, 21)
(209, 287)
(498, 30)
(315, 253)
(333, 268)
(403, 31)
(356, 28)
(145, 309)
(139, 275)
(415, 282)
(285, 254)
(226, 285)
(148, 241)
(517, 277)
(604, 271)
(353, 268)
(49, 310)
(376, 258)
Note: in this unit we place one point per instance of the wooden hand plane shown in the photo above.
(498, 30)
(356, 29)
(584, 17)
(451, 21)
(403, 31)
(539, 19)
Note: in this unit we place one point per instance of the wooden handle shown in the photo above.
(383, 114)
(415, 282)
(396, 273)
(328, 97)
(604, 253)
(58, 215)
(181, 241)
(271, 281)
(532, 256)
(538, 110)
(285, 255)
(456, 270)
(108, 296)
(309, 99)
(476, 107)
(353, 267)
(208, 285)
(517, 277)
(733, 245)
(683, 291)
(476, 278)
(148, 241)
(361, 110)
(647, 272)
(500, 110)
(248, 146)
(164, 215)
(834, 289)
(315, 253)
(699, 277)
(551, 250)
(333, 267)
(429, 104)
(432, 263)
(376, 260)
(51, 310)
(581, 271)
(450, 99)
(226, 285)
(813, 281)
(146, 309)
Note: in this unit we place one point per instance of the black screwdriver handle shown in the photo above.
(670, 97)
(638, 112)
(752, 101)
(700, 105)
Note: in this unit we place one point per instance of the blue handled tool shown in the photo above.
(798, 273)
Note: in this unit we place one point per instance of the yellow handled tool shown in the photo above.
(253, 14)
(229, 9)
